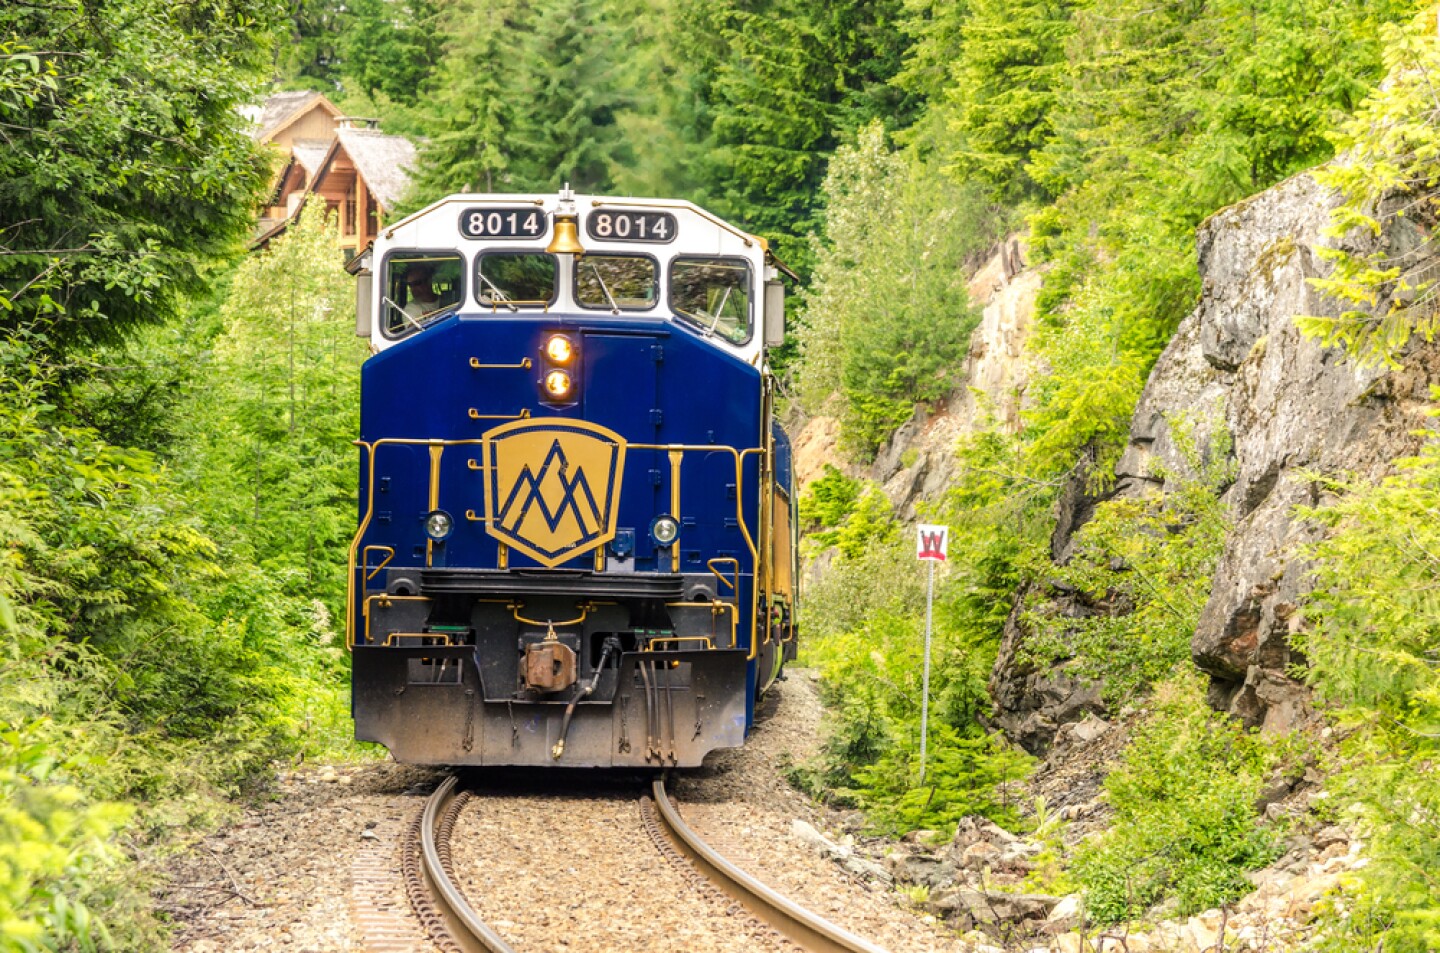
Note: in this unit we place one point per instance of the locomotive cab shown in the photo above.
(576, 540)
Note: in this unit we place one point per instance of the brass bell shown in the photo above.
(567, 231)
(567, 236)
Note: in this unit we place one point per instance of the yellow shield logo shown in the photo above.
(552, 487)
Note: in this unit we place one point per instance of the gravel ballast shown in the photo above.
(555, 862)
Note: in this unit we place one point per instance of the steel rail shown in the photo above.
(801, 927)
(469, 932)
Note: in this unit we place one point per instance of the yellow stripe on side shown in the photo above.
(675, 457)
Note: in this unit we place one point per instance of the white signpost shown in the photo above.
(929, 546)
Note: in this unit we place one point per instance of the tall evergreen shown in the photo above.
(311, 41)
(391, 47)
(782, 84)
(526, 97)
(1005, 82)
(468, 104)
(570, 93)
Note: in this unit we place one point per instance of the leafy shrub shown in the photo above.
(965, 774)
(826, 503)
(887, 320)
(1371, 637)
(1185, 824)
(865, 625)
(881, 579)
(1142, 567)
(54, 852)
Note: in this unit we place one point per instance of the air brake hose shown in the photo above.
(611, 645)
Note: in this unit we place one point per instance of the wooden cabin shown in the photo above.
(360, 171)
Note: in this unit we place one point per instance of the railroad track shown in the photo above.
(454, 926)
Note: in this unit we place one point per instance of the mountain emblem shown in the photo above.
(552, 486)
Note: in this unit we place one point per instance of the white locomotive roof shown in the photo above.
(700, 233)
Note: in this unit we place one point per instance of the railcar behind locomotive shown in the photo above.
(576, 542)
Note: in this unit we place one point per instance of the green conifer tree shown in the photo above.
(1006, 77)
(392, 47)
(568, 97)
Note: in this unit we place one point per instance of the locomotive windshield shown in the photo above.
(616, 282)
(420, 287)
(713, 293)
(508, 279)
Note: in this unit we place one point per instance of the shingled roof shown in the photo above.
(383, 161)
(310, 153)
(278, 109)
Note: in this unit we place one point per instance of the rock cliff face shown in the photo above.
(918, 462)
(1291, 410)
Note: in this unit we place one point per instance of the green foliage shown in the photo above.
(127, 164)
(1371, 637)
(525, 97)
(887, 320)
(882, 579)
(864, 624)
(465, 107)
(310, 41)
(781, 84)
(270, 439)
(390, 47)
(965, 775)
(1162, 115)
(827, 502)
(1099, 349)
(871, 523)
(168, 656)
(1141, 569)
(53, 852)
(871, 684)
(1390, 185)
(1185, 823)
(1003, 92)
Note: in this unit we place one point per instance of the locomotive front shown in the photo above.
(576, 536)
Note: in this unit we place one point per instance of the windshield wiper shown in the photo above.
(403, 313)
(497, 296)
(614, 308)
(720, 309)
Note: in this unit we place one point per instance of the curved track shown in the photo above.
(804, 929)
(454, 926)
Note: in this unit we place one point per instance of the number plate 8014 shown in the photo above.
(529, 222)
(630, 226)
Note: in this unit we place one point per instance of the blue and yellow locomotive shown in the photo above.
(577, 540)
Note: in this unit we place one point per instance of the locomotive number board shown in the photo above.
(656, 227)
(493, 222)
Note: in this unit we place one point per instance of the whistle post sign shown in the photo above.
(929, 547)
(932, 542)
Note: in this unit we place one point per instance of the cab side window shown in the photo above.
(420, 287)
(616, 282)
(510, 279)
(714, 294)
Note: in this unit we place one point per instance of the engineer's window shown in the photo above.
(514, 279)
(713, 293)
(616, 282)
(419, 288)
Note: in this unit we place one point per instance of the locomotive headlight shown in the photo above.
(438, 525)
(664, 530)
(559, 349)
(557, 384)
